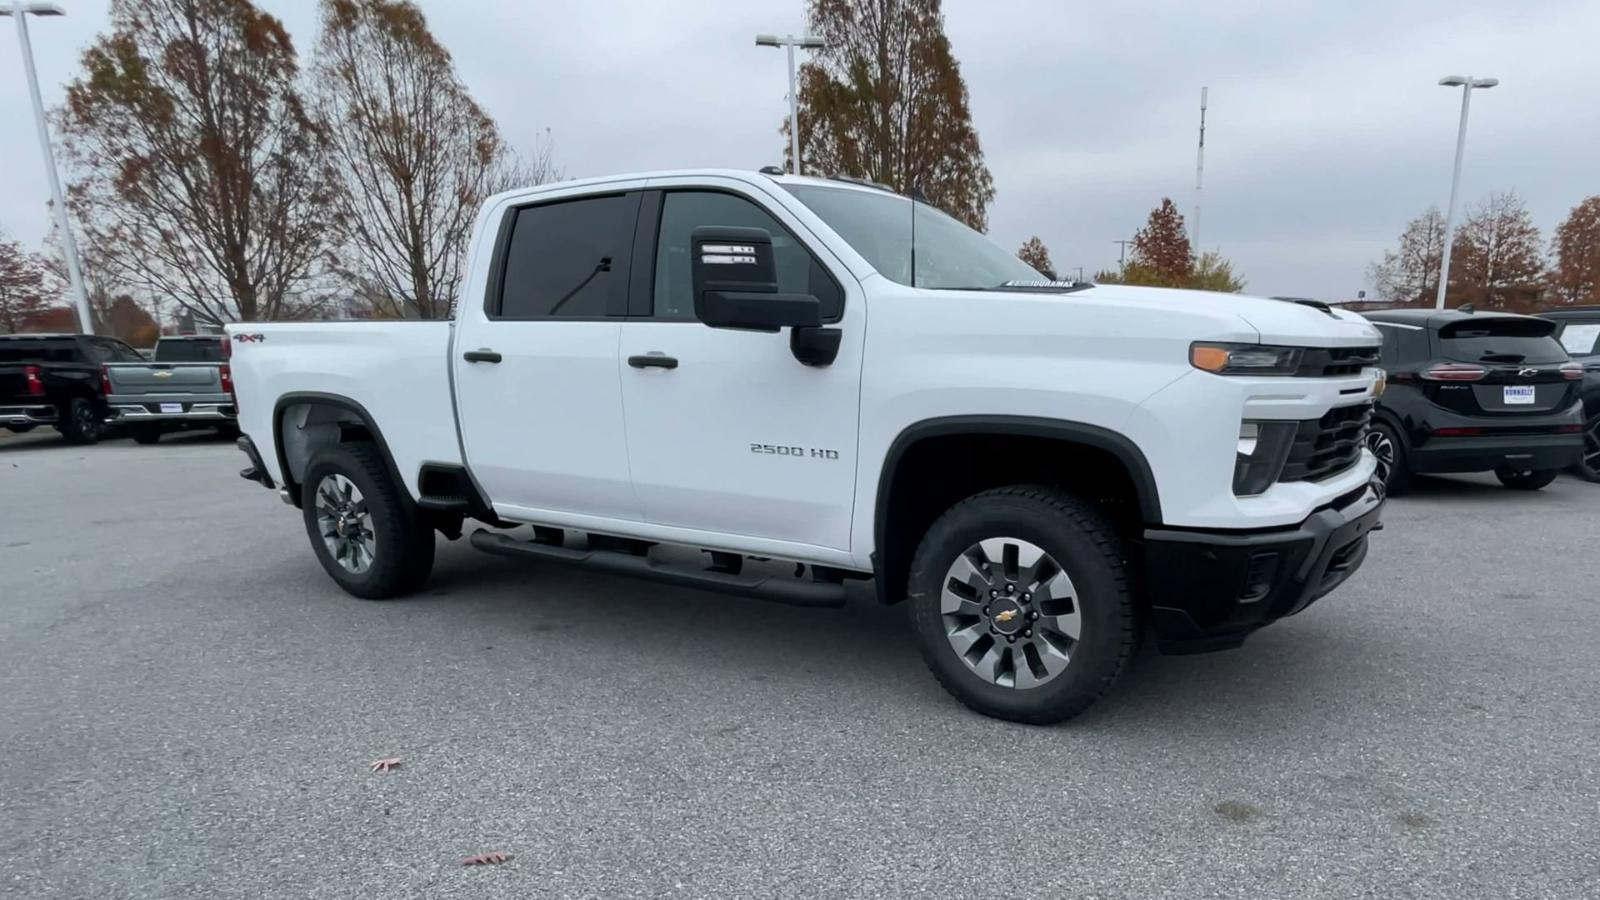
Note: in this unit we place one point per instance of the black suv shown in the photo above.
(55, 379)
(1475, 392)
(1578, 330)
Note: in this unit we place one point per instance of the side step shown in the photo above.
(776, 588)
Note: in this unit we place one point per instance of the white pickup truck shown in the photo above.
(832, 375)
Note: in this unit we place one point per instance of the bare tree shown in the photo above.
(885, 100)
(201, 171)
(416, 155)
(1410, 272)
(1497, 259)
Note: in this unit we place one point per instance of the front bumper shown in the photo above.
(1211, 588)
(27, 415)
(203, 408)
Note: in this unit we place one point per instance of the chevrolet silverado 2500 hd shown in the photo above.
(833, 375)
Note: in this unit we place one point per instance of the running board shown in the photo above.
(775, 588)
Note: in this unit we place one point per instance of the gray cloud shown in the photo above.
(1326, 131)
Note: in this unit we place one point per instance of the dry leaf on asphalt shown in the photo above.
(487, 859)
(384, 765)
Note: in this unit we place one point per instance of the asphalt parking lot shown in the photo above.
(189, 706)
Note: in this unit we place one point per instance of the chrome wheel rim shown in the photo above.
(345, 524)
(1383, 451)
(88, 425)
(1010, 613)
(1591, 445)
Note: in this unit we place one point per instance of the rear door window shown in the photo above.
(1501, 340)
(1581, 338)
(188, 351)
(41, 350)
(569, 259)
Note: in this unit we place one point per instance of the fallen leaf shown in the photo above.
(487, 859)
(384, 765)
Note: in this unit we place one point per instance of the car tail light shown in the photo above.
(1454, 372)
(226, 374)
(1457, 432)
(30, 374)
(227, 346)
(1572, 371)
(105, 380)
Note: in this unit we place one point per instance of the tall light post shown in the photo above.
(69, 246)
(790, 42)
(1467, 83)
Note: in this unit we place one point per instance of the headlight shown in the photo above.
(1263, 449)
(1245, 359)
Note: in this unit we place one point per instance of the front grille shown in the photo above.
(1334, 362)
(1329, 445)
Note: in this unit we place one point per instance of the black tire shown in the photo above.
(1395, 473)
(144, 433)
(402, 556)
(1522, 480)
(1588, 467)
(20, 429)
(80, 421)
(1084, 545)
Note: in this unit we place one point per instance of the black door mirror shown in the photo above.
(736, 282)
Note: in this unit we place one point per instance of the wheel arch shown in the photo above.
(1079, 440)
(335, 419)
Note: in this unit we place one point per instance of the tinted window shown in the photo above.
(188, 351)
(107, 350)
(569, 259)
(1581, 338)
(1501, 340)
(684, 211)
(42, 350)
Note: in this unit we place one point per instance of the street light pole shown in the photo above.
(789, 42)
(1467, 84)
(69, 246)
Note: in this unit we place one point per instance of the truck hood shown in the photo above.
(1274, 321)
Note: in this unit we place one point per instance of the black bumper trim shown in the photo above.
(258, 470)
(1210, 589)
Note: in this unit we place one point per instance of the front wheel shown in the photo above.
(1588, 468)
(366, 536)
(1525, 480)
(1021, 604)
(1390, 454)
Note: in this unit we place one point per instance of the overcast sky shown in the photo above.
(1325, 134)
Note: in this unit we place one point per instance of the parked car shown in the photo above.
(1040, 469)
(1475, 392)
(185, 385)
(1578, 330)
(55, 380)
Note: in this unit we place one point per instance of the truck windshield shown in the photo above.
(949, 255)
(188, 351)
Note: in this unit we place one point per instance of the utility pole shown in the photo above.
(1122, 254)
(69, 246)
(1199, 171)
(790, 42)
(1467, 84)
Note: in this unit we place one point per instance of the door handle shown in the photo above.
(485, 355)
(653, 361)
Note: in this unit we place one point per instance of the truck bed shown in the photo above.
(396, 372)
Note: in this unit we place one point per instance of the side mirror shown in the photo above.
(735, 282)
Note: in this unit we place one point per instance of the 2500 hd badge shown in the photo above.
(781, 450)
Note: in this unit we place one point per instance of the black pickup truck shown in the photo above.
(56, 380)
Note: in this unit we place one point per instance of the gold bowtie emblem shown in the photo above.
(1006, 616)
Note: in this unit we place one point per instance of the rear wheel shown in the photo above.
(1525, 480)
(1021, 604)
(1390, 453)
(1588, 468)
(144, 433)
(80, 421)
(365, 535)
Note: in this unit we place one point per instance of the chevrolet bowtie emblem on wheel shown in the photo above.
(1006, 616)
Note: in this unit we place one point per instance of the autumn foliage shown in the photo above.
(1034, 253)
(1575, 278)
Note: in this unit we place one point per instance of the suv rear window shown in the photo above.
(38, 350)
(1501, 340)
(188, 351)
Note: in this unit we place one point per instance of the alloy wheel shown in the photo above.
(1591, 446)
(1382, 447)
(1011, 613)
(345, 523)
